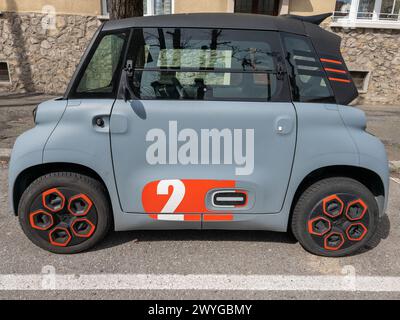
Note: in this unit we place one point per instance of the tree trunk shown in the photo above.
(120, 9)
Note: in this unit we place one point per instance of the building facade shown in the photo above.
(42, 41)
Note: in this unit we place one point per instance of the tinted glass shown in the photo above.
(205, 64)
(307, 79)
(99, 73)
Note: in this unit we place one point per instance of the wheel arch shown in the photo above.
(27, 176)
(365, 176)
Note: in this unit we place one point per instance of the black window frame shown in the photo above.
(283, 96)
(73, 94)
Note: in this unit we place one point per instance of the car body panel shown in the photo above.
(371, 150)
(273, 152)
(78, 140)
(75, 140)
(28, 148)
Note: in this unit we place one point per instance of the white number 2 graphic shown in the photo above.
(176, 197)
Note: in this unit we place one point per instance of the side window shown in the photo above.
(205, 64)
(307, 78)
(98, 77)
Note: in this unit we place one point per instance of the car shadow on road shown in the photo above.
(119, 238)
(115, 239)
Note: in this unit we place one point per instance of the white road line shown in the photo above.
(199, 282)
(397, 180)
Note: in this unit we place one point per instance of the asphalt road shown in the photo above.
(197, 253)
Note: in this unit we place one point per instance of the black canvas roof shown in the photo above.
(211, 20)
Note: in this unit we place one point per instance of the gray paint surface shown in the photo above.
(323, 140)
(28, 148)
(273, 152)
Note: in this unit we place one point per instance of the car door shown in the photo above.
(209, 131)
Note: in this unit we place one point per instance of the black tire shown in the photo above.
(71, 185)
(333, 236)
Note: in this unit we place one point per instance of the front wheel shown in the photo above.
(65, 212)
(335, 217)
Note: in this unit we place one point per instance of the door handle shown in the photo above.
(99, 122)
(119, 124)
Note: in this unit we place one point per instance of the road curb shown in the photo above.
(393, 165)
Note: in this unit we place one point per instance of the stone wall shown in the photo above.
(43, 59)
(377, 51)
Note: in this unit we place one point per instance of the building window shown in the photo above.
(104, 7)
(150, 7)
(366, 9)
(390, 10)
(269, 7)
(367, 13)
(157, 7)
(361, 80)
(342, 8)
(4, 73)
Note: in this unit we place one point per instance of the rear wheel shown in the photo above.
(65, 212)
(335, 217)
